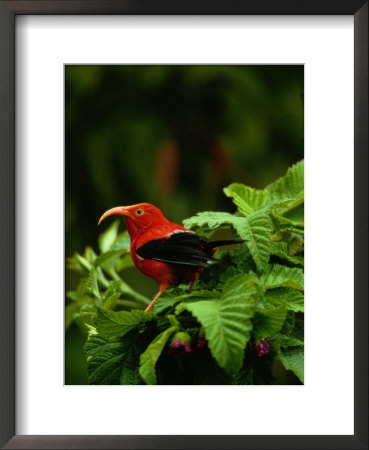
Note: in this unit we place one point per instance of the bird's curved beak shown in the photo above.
(117, 211)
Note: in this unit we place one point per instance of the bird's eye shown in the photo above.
(139, 212)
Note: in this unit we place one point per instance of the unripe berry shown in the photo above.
(180, 344)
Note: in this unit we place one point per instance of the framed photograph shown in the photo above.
(179, 141)
(192, 134)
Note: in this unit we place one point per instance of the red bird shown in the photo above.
(167, 252)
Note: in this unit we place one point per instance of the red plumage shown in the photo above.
(167, 252)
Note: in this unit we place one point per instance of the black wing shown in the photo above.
(179, 248)
(184, 247)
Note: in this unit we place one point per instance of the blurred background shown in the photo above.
(173, 136)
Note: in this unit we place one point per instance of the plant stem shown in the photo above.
(298, 231)
(128, 290)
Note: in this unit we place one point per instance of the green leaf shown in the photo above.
(243, 259)
(298, 330)
(245, 286)
(256, 228)
(71, 310)
(87, 310)
(150, 356)
(103, 257)
(290, 187)
(123, 242)
(162, 304)
(130, 364)
(108, 237)
(282, 276)
(73, 264)
(210, 219)
(280, 249)
(293, 299)
(246, 198)
(289, 324)
(287, 226)
(244, 377)
(109, 299)
(89, 286)
(295, 246)
(130, 375)
(111, 361)
(78, 263)
(83, 315)
(104, 359)
(73, 295)
(296, 216)
(89, 254)
(226, 320)
(82, 264)
(281, 340)
(268, 322)
(196, 295)
(89, 307)
(114, 324)
(292, 358)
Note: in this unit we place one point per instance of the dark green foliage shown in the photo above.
(243, 298)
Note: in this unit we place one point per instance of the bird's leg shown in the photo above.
(162, 288)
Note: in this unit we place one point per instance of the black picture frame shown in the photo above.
(8, 12)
